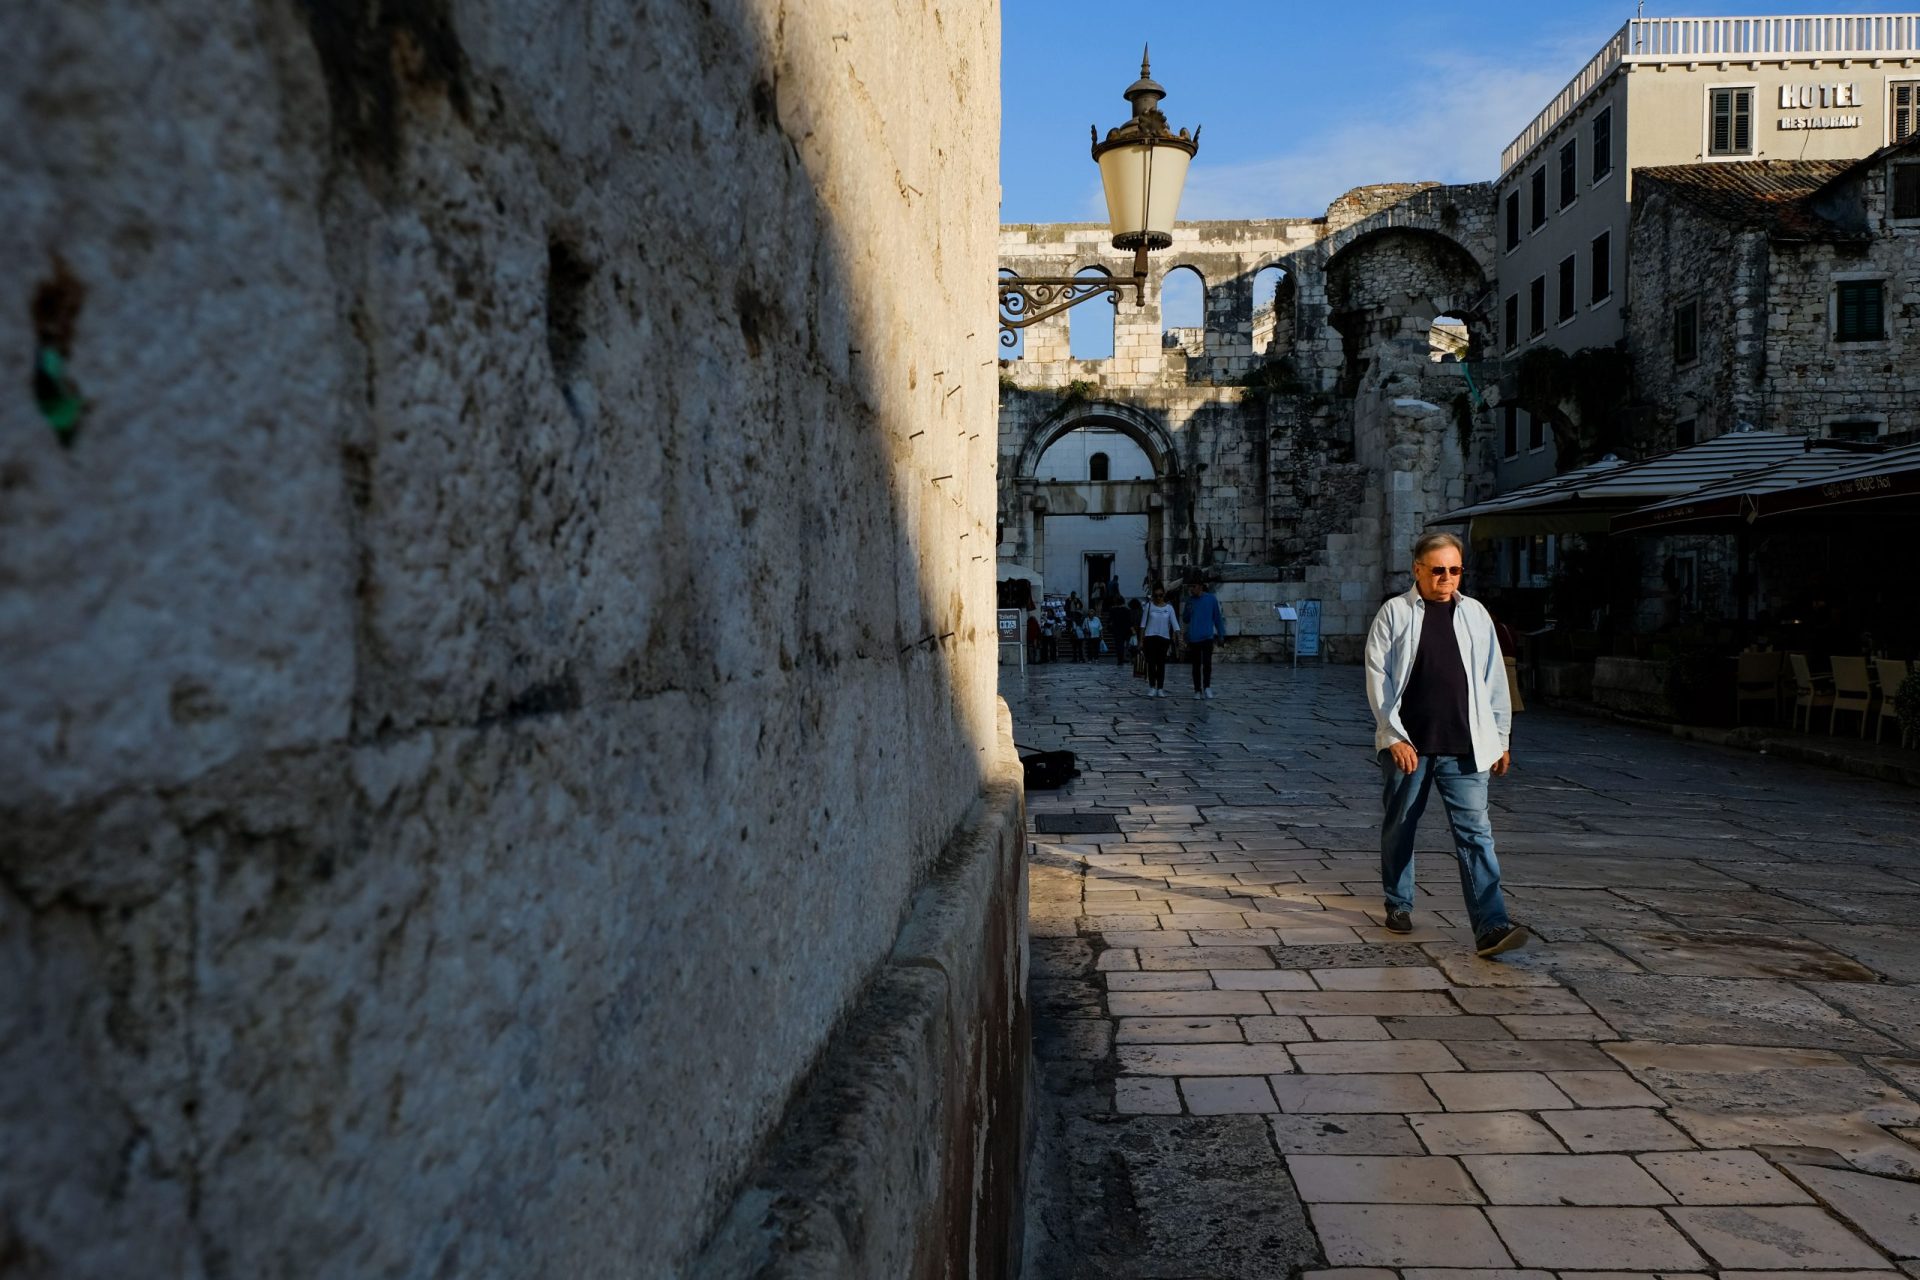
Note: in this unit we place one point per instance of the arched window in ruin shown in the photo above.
(1183, 310)
(1017, 348)
(1272, 326)
(1097, 467)
(1448, 341)
(1090, 325)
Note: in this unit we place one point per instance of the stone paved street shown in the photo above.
(1707, 1063)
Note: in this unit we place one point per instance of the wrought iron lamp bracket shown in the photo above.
(1027, 300)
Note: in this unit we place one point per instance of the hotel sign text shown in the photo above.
(1807, 97)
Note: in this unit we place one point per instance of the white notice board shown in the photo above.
(1306, 636)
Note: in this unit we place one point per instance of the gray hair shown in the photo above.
(1428, 541)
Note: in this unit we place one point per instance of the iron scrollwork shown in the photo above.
(1027, 301)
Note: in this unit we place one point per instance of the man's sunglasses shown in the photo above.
(1446, 571)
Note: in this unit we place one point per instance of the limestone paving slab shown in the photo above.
(1722, 1177)
(1607, 1129)
(1335, 1094)
(1407, 1236)
(1565, 1180)
(1497, 1091)
(1227, 1095)
(1361, 1056)
(1360, 1135)
(1885, 1210)
(1776, 1238)
(1570, 1237)
(1202, 1059)
(1177, 1030)
(1484, 1133)
(1737, 955)
(1602, 1089)
(1349, 1027)
(1721, 1011)
(1357, 1179)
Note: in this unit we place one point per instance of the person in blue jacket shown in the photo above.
(1204, 626)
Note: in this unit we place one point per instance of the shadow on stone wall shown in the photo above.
(494, 675)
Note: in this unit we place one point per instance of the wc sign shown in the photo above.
(1812, 97)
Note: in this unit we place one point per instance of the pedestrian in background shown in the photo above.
(1438, 689)
(1156, 637)
(1205, 625)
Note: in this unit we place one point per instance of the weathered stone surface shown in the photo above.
(439, 805)
(1149, 1196)
(1720, 1011)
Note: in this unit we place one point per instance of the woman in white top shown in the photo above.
(1156, 632)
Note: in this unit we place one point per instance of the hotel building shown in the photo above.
(1673, 91)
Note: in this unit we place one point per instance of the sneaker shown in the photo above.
(1209, 693)
(1508, 937)
(1399, 921)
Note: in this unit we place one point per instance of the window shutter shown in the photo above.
(1722, 124)
(1871, 322)
(1906, 191)
(1849, 306)
(1743, 121)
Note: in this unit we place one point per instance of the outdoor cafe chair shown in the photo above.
(1851, 693)
(1758, 680)
(1893, 674)
(1810, 692)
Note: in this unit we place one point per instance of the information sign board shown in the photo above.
(1306, 640)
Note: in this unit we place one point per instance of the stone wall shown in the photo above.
(1767, 354)
(1296, 471)
(1812, 379)
(509, 643)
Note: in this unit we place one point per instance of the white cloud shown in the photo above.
(1449, 127)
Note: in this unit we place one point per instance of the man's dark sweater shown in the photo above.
(1434, 707)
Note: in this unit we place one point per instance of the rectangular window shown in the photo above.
(1513, 321)
(1686, 332)
(1567, 275)
(1510, 432)
(1513, 219)
(1536, 432)
(1859, 310)
(1537, 307)
(1903, 110)
(1685, 433)
(1906, 190)
(1569, 172)
(1603, 144)
(1730, 122)
(1540, 197)
(1601, 277)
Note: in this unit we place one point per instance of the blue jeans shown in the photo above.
(1464, 793)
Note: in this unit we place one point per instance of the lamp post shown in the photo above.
(1143, 167)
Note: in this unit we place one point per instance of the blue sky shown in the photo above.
(1299, 102)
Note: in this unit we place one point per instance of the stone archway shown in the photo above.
(1028, 499)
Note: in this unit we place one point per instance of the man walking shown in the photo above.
(1438, 688)
(1204, 626)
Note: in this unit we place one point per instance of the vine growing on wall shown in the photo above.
(1583, 396)
(1463, 422)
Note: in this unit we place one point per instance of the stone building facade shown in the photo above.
(1746, 279)
(1299, 443)
(500, 764)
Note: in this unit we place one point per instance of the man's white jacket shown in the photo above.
(1393, 641)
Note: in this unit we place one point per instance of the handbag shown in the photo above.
(1140, 663)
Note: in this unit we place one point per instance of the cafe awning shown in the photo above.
(1873, 484)
(1588, 499)
(1736, 502)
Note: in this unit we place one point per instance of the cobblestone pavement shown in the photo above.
(1708, 1062)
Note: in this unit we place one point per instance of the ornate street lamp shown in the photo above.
(1143, 167)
